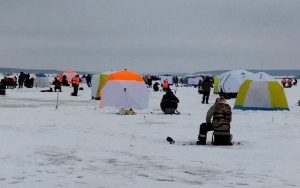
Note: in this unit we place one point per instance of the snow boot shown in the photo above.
(201, 140)
(171, 140)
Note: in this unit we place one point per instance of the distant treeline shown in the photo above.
(17, 70)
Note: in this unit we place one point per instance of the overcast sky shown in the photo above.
(150, 35)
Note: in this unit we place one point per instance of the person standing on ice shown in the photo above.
(88, 80)
(218, 118)
(165, 85)
(206, 85)
(75, 84)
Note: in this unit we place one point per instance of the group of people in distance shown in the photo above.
(288, 82)
(23, 79)
(75, 81)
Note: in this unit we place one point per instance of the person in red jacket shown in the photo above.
(165, 85)
(75, 84)
(289, 82)
(283, 82)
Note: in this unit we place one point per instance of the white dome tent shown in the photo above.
(167, 77)
(125, 89)
(231, 81)
(261, 76)
(41, 80)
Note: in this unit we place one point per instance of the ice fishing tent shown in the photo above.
(51, 77)
(98, 81)
(231, 81)
(194, 81)
(125, 89)
(261, 76)
(166, 77)
(41, 80)
(185, 79)
(95, 86)
(216, 84)
(261, 93)
(69, 74)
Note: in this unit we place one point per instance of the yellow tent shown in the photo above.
(216, 84)
(98, 82)
(261, 95)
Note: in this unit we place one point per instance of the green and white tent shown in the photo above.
(216, 84)
(98, 81)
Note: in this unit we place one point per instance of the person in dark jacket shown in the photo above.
(218, 118)
(64, 81)
(28, 82)
(169, 102)
(57, 84)
(156, 86)
(200, 90)
(88, 80)
(175, 81)
(3, 84)
(206, 85)
(21, 79)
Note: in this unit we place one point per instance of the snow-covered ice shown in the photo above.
(82, 145)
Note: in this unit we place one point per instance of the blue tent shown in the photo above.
(40, 75)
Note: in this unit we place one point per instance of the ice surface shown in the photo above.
(81, 145)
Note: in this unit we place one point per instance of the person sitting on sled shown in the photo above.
(218, 118)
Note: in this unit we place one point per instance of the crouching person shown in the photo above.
(169, 102)
(218, 119)
(57, 84)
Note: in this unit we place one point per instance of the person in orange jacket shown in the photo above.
(165, 85)
(75, 84)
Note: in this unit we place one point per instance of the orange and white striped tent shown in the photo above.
(125, 89)
(69, 74)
